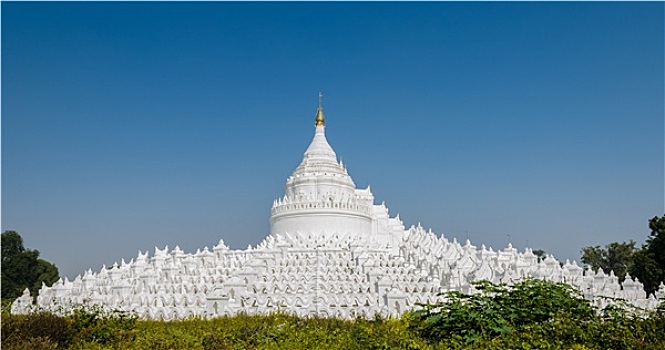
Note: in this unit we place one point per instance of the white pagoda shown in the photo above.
(331, 252)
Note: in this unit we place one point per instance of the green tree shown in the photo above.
(540, 254)
(22, 268)
(649, 266)
(617, 257)
(656, 241)
(647, 270)
(46, 273)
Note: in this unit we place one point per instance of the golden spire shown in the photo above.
(319, 113)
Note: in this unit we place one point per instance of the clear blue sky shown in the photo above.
(127, 126)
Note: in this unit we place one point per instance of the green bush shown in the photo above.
(184, 334)
(280, 331)
(531, 315)
(37, 328)
(499, 310)
(38, 343)
(535, 314)
(93, 324)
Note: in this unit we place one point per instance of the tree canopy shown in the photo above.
(22, 268)
(617, 257)
(540, 254)
(646, 263)
(649, 262)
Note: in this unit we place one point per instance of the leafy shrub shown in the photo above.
(38, 343)
(31, 330)
(499, 310)
(93, 324)
(173, 335)
(280, 331)
(536, 315)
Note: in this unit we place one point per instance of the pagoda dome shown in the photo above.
(320, 195)
(319, 173)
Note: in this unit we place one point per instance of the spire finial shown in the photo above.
(319, 120)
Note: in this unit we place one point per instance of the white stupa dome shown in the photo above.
(320, 195)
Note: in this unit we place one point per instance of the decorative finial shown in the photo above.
(319, 120)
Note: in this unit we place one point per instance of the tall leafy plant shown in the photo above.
(499, 310)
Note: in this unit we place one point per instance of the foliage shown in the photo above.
(82, 326)
(500, 310)
(36, 343)
(617, 257)
(37, 328)
(563, 323)
(22, 268)
(535, 315)
(646, 263)
(44, 272)
(98, 326)
(281, 331)
(650, 263)
(541, 254)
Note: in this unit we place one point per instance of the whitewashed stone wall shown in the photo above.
(325, 274)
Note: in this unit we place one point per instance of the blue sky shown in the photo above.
(127, 126)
